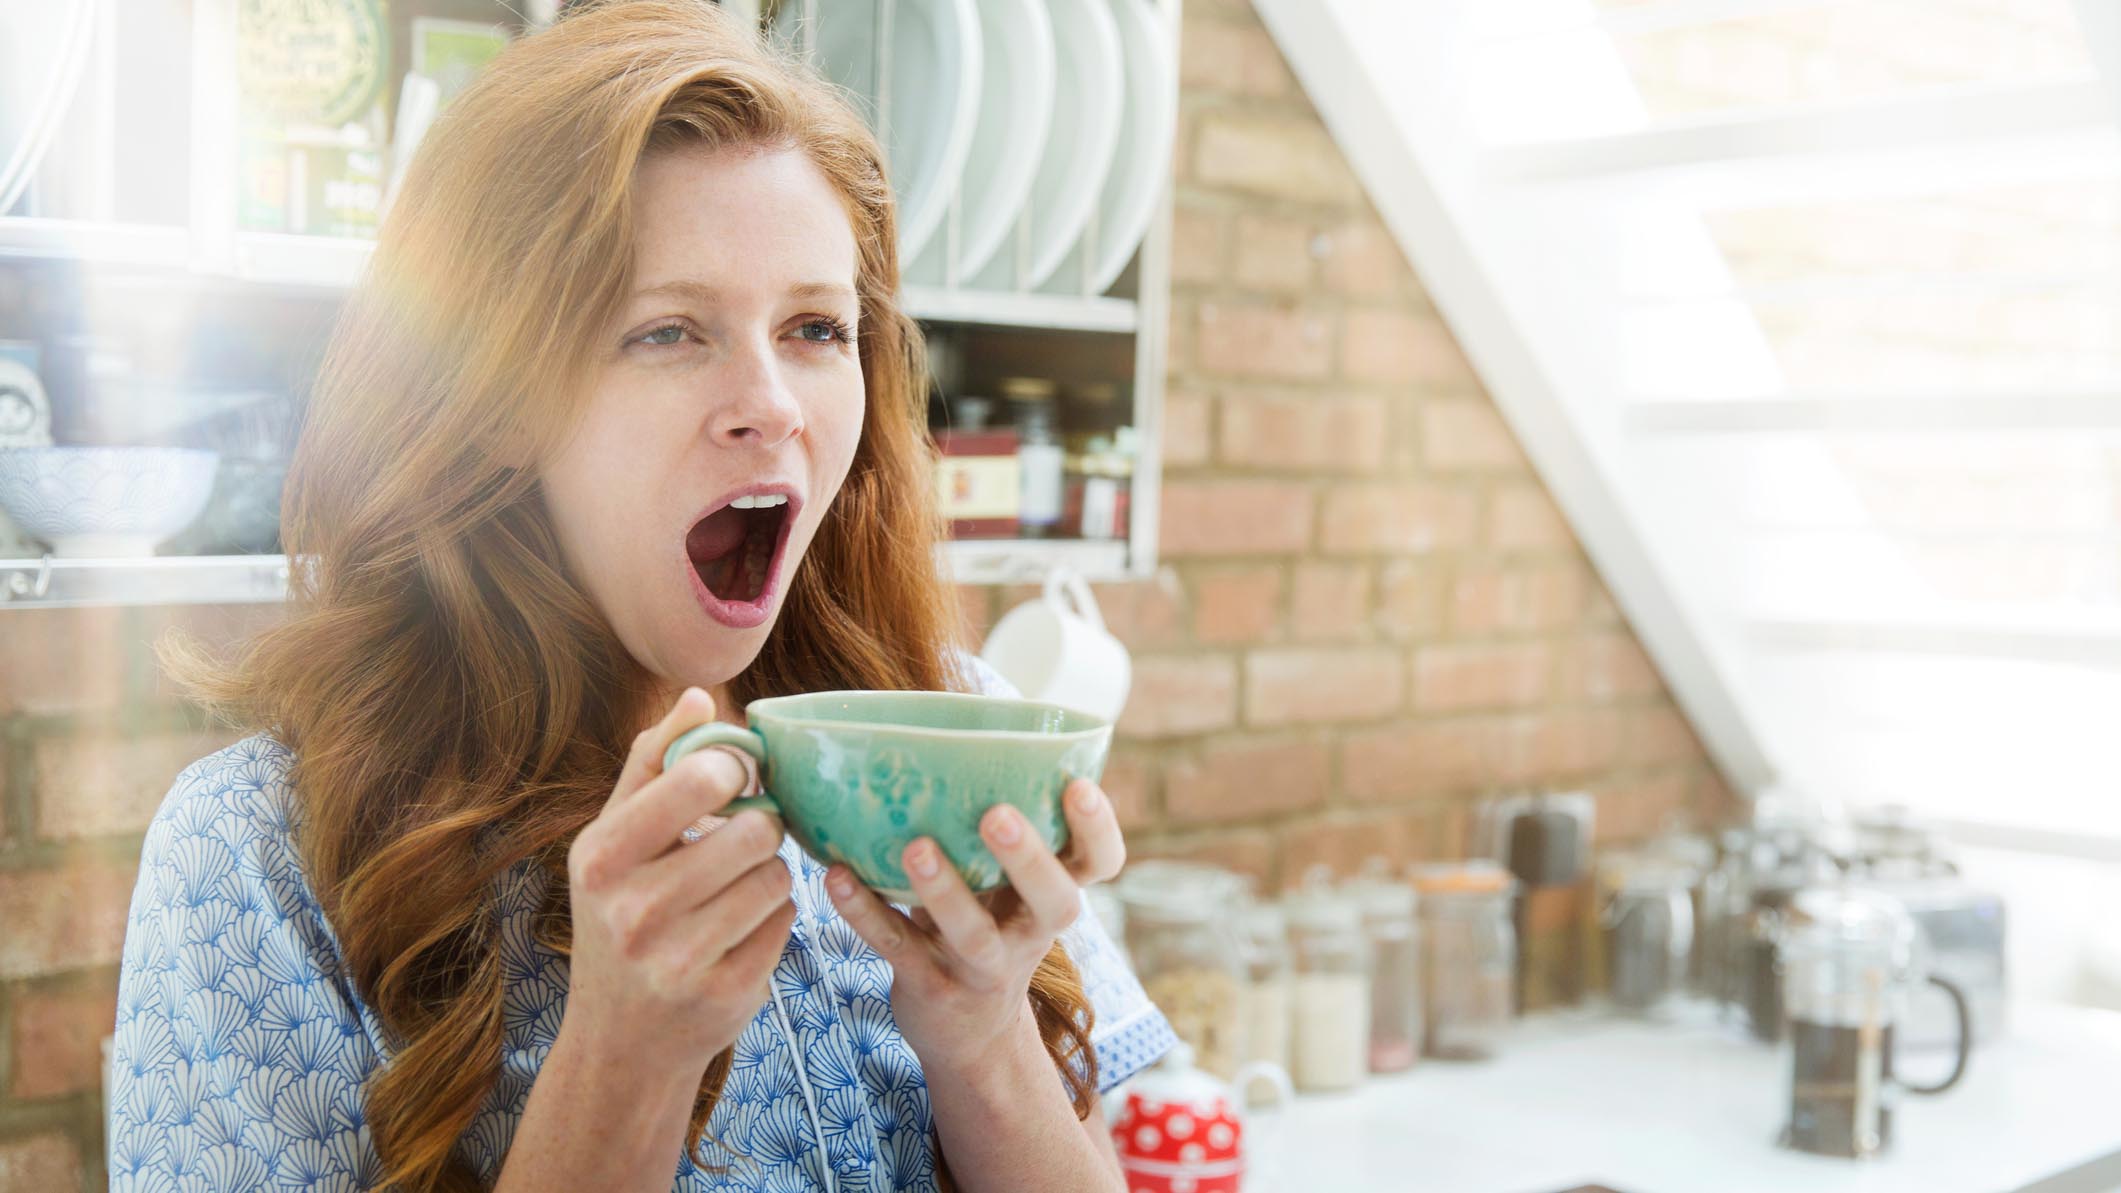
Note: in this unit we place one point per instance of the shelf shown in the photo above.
(257, 579)
(2089, 408)
(335, 263)
(157, 580)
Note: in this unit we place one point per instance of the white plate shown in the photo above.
(1016, 109)
(1088, 88)
(927, 121)
(1142, 161)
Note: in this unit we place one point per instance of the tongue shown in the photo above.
(717, 535)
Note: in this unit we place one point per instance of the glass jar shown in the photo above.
(1330, 1043)
(1269, 977)
(1187, 954)
(1469, 957)
(1388, 920)
(1647, 915)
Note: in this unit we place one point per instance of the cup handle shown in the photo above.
(1963, 1011)
(718, 734)
(1066, 588)
(1268, 1121)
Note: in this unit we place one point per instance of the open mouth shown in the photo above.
(736, 553)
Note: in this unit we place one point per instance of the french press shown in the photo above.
(1851, 959)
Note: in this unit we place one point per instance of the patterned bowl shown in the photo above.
(105, 502)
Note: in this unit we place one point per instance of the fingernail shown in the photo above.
(1086, 797)
(922, 860)
(1006, 825)
(841, 882)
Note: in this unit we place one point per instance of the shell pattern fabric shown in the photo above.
(241, 1046)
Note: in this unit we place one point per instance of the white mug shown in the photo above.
(1057, 649)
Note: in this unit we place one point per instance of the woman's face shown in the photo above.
(726, 402)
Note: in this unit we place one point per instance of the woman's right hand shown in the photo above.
(674, 943)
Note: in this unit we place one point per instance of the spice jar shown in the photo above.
(1469, 956)
(1187, 954)
(1264, 933)
(1388, 920)
(1330, 1045)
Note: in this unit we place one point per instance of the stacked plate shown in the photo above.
(1028, 140)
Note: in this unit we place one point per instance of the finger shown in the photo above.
(740, 904)
(967, 929)
(1096, 848)
(691, 877)
(881, 926)
(647, 825)
(740, 971)
(1049, 894)
(644, 761)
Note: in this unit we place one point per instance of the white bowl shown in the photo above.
(105, 502)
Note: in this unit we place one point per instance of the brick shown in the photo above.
(47, 1162)
(1562, 745)
(68, 916)
(1235, 517)
(1185, 430)
(1172, 696)
(1331, 602)
(1410, 599)
(1660, 734)
(1598, 606)
(1341, 435)
(1198, 237)
(1468, 435)
(1277, 157)
(1346, 845)
(1601, 667)
(1516, 598)
(1211, 56)
(1130, 782)
(1526, 519)
(1295, 687)
(1363, 260)
(62, 660)
(1248, 851)
(1640, 809)
(1237, 604)
(1395, 347)
(1420, 758)
(1248, 777)
(1459, 678)
(1144, 614)
(103, 783)
(58, 1036)
(1255, 340)
(1714, 800)
(1273, 253)
(1401, 518)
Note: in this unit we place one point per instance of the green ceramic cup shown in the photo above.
(856, 776)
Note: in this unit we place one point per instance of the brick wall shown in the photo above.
(1370, 614)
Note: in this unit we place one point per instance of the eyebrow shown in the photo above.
(709, 295)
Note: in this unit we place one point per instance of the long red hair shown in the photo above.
(456, 706)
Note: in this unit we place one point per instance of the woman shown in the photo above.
(621, 431)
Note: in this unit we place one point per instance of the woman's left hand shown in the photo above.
(962, 963)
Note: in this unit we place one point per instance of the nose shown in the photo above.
(756, 408)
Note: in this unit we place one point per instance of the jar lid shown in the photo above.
(1262, 921)
(1848, 919)
(1174, 890)
(1322, 909)
(1382, 898)
(1475, 876)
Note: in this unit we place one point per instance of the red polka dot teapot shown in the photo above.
(1183, 1131)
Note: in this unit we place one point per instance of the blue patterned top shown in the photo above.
(242, 1048)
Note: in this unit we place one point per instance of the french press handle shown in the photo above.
(1962, 1011)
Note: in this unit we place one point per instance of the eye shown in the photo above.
(665, 336)
(832, 330)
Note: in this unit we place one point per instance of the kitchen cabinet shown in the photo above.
(101, 231)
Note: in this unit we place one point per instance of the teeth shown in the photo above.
(763, 501)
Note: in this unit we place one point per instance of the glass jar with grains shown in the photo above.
(1187, 954)
(1331, 1039)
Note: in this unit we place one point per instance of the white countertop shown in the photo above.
(1691, 1106)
